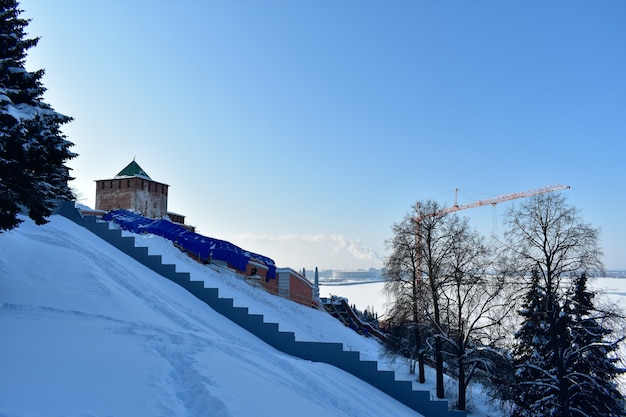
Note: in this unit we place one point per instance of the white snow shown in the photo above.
(87, 331)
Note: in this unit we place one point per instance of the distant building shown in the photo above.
(133, 189)
(293, 286)
(370, 274)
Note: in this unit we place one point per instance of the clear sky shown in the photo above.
(302, 130)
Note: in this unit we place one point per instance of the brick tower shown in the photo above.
(134, 190)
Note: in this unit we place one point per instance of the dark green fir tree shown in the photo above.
(592, 357)
(33, 150)
(566, 356)
(534, 387)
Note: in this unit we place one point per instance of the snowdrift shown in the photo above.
(89, 331)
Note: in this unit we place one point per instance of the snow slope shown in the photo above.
(88, 331)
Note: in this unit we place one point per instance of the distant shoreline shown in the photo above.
(354, 282)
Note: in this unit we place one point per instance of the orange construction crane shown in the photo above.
(456, 207)
(492, 201)
(489, 201)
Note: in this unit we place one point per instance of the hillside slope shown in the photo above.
(90, 332)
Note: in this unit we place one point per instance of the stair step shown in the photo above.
(331, 353)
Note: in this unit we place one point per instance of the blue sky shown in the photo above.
(303, 130)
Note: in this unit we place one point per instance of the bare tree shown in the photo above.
(547, 235)
(435, 245)
(406, 288)
(474, 303)
(420, 246)
(547, 240)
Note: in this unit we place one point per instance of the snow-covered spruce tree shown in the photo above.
(535, 385)
(591, 358)
(566, 359)
(33, 151)
(553, 345)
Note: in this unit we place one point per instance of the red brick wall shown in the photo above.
(271, 285)
(301, 290)
(260, 269)
(136, 194)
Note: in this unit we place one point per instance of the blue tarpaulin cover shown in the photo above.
(203, 247)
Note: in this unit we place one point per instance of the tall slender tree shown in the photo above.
(33, 150)
(406, 287)
(474, 302)
(554, 347)
(435, 242)
(422, 245)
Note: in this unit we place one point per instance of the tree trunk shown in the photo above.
(422, 371)
(416, 330)
(419, 355)
(438, 349)
(462, 386)
(439, 369)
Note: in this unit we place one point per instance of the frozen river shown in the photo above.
(372, 296)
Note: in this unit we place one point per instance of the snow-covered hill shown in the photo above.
(88, 331)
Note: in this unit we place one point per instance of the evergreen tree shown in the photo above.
(33, 151)
(592, 359)
(566, 366)
(534, 390)
(548, 238)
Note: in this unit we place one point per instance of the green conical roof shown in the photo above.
(133, 170)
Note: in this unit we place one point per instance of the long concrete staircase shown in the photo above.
(330, 353)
